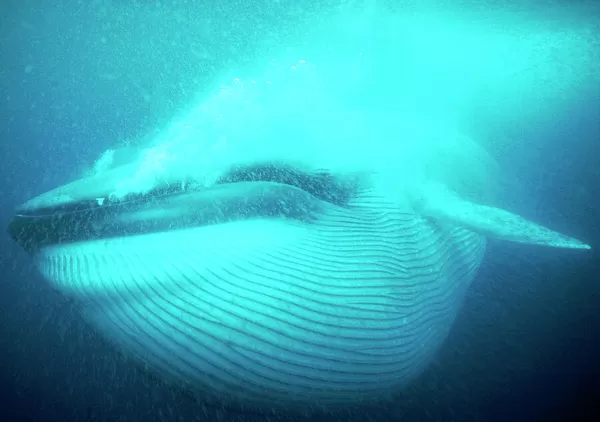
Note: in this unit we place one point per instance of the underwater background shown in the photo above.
(76, 77)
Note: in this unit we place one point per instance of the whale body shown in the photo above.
(297, 290)
(280, 284)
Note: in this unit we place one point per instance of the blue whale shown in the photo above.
(278, 283)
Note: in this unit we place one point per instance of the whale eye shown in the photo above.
(320, 184)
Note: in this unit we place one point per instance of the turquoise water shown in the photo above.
(81, 79)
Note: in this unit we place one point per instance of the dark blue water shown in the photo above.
(525, 346)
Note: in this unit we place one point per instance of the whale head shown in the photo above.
(273, 277)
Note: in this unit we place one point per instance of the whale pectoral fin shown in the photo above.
(437, 202)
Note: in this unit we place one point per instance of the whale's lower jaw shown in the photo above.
(278, 313)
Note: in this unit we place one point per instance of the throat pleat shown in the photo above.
(275, 311)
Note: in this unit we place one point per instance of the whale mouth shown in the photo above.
(71, 214)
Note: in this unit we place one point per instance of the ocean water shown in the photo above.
(78, 78)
